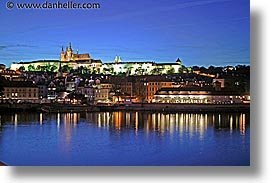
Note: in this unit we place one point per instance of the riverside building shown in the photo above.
(20, 91)
(197, 95)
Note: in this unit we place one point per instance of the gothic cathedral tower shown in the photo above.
(62, 55)
(68, 55)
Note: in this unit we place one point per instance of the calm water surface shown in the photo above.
(125, 138)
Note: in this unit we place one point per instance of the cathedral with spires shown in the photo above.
(70, 56)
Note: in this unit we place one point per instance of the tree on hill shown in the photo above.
(171, 71)
(30, 68)
(21, 69)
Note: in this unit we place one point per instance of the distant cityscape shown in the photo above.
(78, 78)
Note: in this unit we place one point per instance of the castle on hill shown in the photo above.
(74, 60)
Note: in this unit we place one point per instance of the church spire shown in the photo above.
(62, 55)
(69, 52)
(117, 59)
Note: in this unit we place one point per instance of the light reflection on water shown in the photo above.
(162, 123)
(113, 132)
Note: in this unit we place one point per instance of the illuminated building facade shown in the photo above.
(144, 87)
(20, 90)
(102, 93)
(140, 68)
(197, 95)
(8, 73)
(39, 65)
(87, 91)
(153, 84)
(138, 88)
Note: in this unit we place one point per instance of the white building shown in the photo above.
(197, 95)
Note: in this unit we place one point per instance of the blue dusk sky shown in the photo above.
(199, 32)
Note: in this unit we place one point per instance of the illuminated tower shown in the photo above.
(117, 59)
(62, 55)
(69, 53)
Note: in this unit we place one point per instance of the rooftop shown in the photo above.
(18, 84)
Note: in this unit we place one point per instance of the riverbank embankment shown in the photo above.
(149, 107)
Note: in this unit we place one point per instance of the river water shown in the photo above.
(125, 138)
